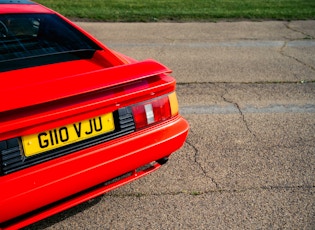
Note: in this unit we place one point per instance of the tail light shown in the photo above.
(155, 110)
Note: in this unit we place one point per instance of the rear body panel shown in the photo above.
(40, 185)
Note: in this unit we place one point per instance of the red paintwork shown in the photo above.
(79, 199)
(44, 97)
(43, 82)
(25, 8)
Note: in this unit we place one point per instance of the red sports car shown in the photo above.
(76, 118)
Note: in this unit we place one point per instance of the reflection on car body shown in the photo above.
(77, 119)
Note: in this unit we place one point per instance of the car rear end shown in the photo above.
(75, 125)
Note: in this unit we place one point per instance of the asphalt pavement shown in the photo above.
(248, 92)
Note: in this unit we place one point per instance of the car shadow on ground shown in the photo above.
(50, 221)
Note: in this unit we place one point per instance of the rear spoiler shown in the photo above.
(13, 97)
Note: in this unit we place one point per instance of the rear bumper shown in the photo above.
(45, 184)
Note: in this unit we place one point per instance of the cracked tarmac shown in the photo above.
(248, 92)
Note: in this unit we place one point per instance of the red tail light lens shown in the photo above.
(156, 110)
(139, 115)
(161, 109)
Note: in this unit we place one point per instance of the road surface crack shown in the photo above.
(282, 52)
(236, 105)
(307, 36)
(212, 191)
(285, 45)
(204, 171)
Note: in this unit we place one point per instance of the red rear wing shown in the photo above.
(38, 90)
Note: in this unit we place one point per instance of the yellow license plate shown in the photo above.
(65, 135)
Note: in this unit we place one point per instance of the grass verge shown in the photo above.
(183, 10)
